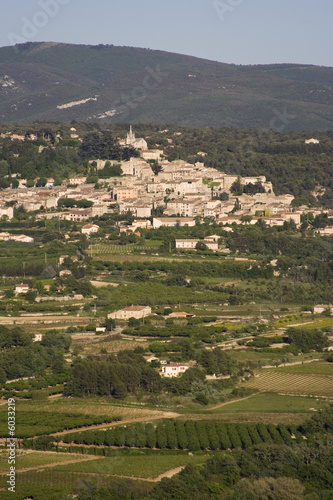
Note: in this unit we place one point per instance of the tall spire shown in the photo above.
(130, 136)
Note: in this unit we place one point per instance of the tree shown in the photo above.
(306, 340)
(237, 188)
(269, 488)
(161, 439)
(3, 376)
(41, 182)
(201, 246)
(151, 436)
(31, 295)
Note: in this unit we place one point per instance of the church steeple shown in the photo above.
(130, 136)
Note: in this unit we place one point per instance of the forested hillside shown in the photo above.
(55, 81)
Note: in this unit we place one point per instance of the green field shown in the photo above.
(36, 423)
(56, 485)
(270, 402)
(321, 368)
(270, 358)
(25, 459)
(135, 466)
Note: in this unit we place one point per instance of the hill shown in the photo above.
(62, 82)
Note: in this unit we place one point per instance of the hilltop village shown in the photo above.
(166, 303)
(178, 191)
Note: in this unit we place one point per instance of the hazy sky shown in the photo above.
(232, 31)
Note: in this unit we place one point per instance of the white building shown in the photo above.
(174, 369)
(136, 312)
(311, 141)
(190, 244)
(327, 231)
(319, 308)
(22, 288)
(7, 211)
(172, 221)
(152, 154)
(22, 238)
(89, 228)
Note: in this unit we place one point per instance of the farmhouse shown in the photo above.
(22, 288)
(90, 228)
(136, 312)
(174, 369)
(320, 308)
(173, 221)
(188, 244)
(181, 314)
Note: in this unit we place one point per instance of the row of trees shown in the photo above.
(263, 470)
(192, 435)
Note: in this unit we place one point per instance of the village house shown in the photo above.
(76, 215)
(121, 193)
(173, 221)
(6, 211)
(22, 238)
(89, 229)
(5, 236)
(99, 210)
(136, 312)
(320, 308)
(326, 231)
(311, 141)
(190, 244)
(137, 224)
(22, 288)
(149, 359)
(137, 209)
(180, 315)
(174, 369)
(152, 154)
(77, 180)
(184, 207)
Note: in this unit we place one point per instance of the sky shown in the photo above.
(230, 31)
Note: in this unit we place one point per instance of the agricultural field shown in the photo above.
(269, 402)
(29, 459)
(294, 382)
(70, 412)
(112, 345)
(35, 423)
(312, 368)
(144, 466)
